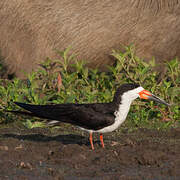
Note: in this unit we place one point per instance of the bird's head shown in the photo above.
(129, 92)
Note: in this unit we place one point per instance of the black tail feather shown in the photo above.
(21, 113)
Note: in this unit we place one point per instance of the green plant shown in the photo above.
(80, 84)
(29, 124)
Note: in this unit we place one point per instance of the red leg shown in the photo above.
(101, 139)
(91, 141)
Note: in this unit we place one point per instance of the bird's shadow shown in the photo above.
(64, 139)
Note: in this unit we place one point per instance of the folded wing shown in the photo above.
(83, 115)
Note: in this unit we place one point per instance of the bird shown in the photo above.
(93, 117)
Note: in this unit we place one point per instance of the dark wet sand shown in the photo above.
(41, 154)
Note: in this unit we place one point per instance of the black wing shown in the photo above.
(89, 116)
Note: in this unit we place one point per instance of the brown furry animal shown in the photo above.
(30, 30)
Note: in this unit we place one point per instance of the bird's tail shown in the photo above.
(21, 112)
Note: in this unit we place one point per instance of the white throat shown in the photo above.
(126, 100)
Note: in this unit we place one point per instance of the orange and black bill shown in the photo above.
(147, 95)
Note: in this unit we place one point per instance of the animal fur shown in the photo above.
(30, 30)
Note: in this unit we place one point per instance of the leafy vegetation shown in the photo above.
(68, 80)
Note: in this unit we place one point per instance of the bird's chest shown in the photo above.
(120, 117)
(121, 114)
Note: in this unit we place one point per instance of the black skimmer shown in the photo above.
(97, 117)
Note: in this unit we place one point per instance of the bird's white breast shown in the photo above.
(121, 114)
(120, 117)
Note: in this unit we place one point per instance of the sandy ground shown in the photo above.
(42, 154)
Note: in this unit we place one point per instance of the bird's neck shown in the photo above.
(122, 110)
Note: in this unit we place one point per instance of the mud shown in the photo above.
(43, 154)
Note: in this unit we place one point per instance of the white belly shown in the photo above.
(120, 117)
